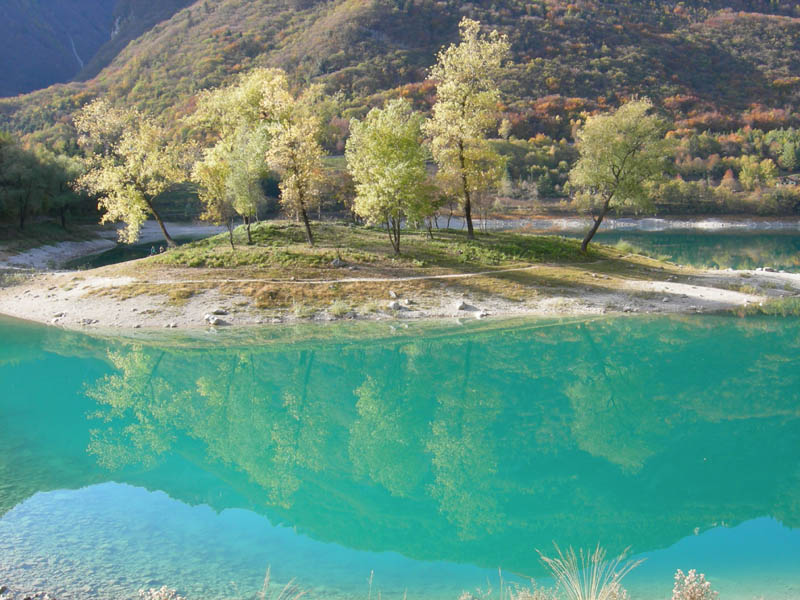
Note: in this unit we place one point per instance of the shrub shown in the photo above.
(692, 586)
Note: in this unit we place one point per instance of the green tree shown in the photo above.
(386, 158)
(60, 172)
(211, 175)
(229, 178)
(129, 163)
(788, 157)
(22, 179)
(467, 76)
(621, 154)
(755, 173)
(294, 152)
(232, 117)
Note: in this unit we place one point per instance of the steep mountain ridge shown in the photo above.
(49, 41)
(43, 42)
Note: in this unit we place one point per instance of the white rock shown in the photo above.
(393, 305)
(392, 294)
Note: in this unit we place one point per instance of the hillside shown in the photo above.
(36, 40)
(712, 66)
(53, 41)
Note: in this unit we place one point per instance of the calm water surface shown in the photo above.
(722, 250)
(428, 457)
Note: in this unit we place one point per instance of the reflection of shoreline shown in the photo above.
(634, 224)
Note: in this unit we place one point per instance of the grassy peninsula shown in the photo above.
(352, 273)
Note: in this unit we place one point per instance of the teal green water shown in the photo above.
(428, 456)
(722, 250)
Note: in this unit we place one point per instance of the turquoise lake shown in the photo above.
(424, 457)
(722, 250)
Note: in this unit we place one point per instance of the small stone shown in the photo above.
(464, 306)
(665, 299)
(137, 326)
(59, 315)
(393, 305)
(408, 301)
(219, 311)
(392, 294)
(338, 263)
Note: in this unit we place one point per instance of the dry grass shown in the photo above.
(281, 274)
(588, 575)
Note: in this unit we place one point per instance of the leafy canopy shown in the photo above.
(129, 163)
(386, 158)
(621, 154)
(294, 151)
(467, 76)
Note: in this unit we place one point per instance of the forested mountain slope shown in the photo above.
(711, 64)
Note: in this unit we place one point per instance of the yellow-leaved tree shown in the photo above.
(467, 76)
(294, 151)
(230, 172)
(386, 158)
(621, 155)
(129, 162)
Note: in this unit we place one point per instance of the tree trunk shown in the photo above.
(596, 226)
(230, 233)
(247, 221)
(465, 185)
(394, 234)
(309, 236)
(63, 214)
(23, 211)
(430, 230)
(170, 242)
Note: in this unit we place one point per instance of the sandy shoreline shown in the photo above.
(53, 255)
(80, 299)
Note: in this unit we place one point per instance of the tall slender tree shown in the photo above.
(231, 117)
(467, 76)
(386, 157)
(294, 150)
